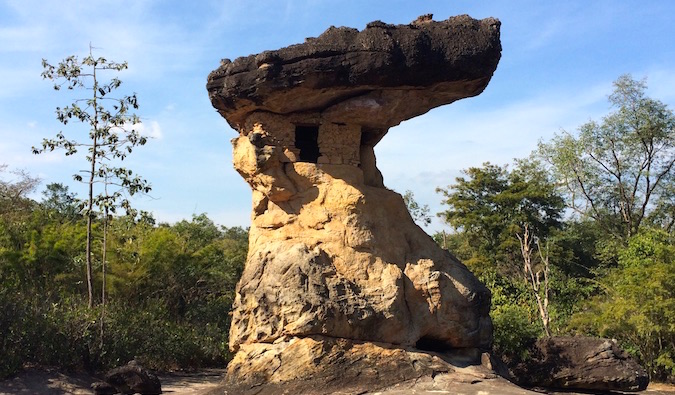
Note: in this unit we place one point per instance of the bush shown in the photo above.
(514, 332)
(67, 335)
(638, 305)
(516, 324)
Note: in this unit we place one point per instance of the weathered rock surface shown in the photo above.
(336, 264)
(320, 365)
(132, 378)
(344, 259)
(377, 77)
(581, 363)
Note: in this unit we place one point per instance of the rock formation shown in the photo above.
(337, 270)
(131, 378)
(581, 363)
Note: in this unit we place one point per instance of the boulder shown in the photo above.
(132, 378)
(344, 259)
(581, 363)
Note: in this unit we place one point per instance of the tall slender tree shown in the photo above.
(112, 134)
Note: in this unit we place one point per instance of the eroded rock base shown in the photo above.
(323, 365)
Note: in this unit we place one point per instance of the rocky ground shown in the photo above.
(51, 382)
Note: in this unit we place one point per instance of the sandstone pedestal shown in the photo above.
(341, 289)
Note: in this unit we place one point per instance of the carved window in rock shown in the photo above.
(307, 141)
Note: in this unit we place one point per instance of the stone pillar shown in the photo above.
(340, 285)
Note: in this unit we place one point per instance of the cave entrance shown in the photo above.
(430, 344)
(307, 141)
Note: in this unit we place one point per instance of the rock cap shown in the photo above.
(376, 77)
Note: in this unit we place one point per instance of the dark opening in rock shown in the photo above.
(307, 140)
(431, 344)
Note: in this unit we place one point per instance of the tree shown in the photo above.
(637, 306)
(619, 172)
(499, 215)
(57, 199)
(15, 206)
(198, 232)
(111, 135)
(13, 193)
(492, 204)
(528, 244)
(420, 214)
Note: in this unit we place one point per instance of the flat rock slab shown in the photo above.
(388, 73)
(497, 386)
(210, 382)
(319, 365)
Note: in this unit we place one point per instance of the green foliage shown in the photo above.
(514, 331)
(494, 204)
(420, 214)
(66, 335)
(619, 172)
(171, 288)
(515, 321)
(638, 305)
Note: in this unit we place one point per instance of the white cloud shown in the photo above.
(22, 38)
(457, 136)
(149, 129)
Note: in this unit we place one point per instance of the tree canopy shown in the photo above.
(492, 204)
(619, 172)
(592, 215)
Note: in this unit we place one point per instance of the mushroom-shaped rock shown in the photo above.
(333, 254)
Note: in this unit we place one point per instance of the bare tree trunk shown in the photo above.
(535, 278)
(546, 318)
(103, 270)
(90, 215)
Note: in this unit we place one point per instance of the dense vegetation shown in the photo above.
(169, 287)
(575, 239)
(578, 238)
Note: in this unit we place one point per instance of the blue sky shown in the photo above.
(558, 62)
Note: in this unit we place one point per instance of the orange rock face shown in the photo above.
(332, 255)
